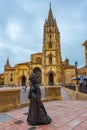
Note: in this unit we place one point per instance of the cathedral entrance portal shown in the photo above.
(51, 81)
(23, 82)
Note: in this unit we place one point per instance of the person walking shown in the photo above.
(25, 88)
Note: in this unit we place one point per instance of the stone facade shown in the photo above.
(85, 48)
(1, 79)
(49, 62)
(83, 69)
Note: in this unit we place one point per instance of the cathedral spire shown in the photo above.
(50, 4)
(50, 14)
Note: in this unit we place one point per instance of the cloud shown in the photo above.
(21, 28)
(30, 6)
(13, 30)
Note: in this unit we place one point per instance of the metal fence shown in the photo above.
(82, 88)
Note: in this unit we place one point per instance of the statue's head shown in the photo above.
(34, 78)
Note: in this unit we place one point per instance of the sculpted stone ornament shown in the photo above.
(37, 114)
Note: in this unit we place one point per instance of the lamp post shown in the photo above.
(76, 63)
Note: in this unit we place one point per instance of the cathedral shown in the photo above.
(53, 71)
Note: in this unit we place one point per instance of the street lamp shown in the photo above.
(76, 63)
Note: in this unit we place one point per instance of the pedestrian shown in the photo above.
(37, 114)
(25, 87)
(81, 83)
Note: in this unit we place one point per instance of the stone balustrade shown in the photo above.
(9, 99)
(53, 92)
(76, 95)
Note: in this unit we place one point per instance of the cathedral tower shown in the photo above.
(51, 52)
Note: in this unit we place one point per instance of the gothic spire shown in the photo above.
(7, 62)
(50, 14)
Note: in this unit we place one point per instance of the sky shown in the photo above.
(21, 29)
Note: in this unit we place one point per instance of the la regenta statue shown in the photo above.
(37, 114)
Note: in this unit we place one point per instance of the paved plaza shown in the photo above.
(66, 115)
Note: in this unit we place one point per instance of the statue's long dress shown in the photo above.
(37, 114)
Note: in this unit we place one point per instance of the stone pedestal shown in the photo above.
(53, 92)
(9, 99)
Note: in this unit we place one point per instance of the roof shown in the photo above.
(39, 53)
(10, 68)
(25, 63)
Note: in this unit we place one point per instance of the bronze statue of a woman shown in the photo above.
(37, 114)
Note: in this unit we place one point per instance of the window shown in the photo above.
(50, 44)
(11, 78)
(50, 59)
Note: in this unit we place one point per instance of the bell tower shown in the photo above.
(51, 52)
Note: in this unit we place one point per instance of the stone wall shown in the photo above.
(9, 99)
(53, 93)
(76, 95)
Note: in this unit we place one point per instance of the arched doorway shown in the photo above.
(23, 81)
(38, 70)
(51, 79)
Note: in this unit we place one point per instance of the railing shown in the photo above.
(76, 92)
(70, 86)
(81, 88)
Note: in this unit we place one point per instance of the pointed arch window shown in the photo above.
(11, 77)
(50, 35)
(50, 59)
(50, 44)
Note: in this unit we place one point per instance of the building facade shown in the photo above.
(49, 62)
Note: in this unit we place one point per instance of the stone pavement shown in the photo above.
(66, 115)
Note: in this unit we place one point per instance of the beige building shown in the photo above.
(83, 70)
(48, 62)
